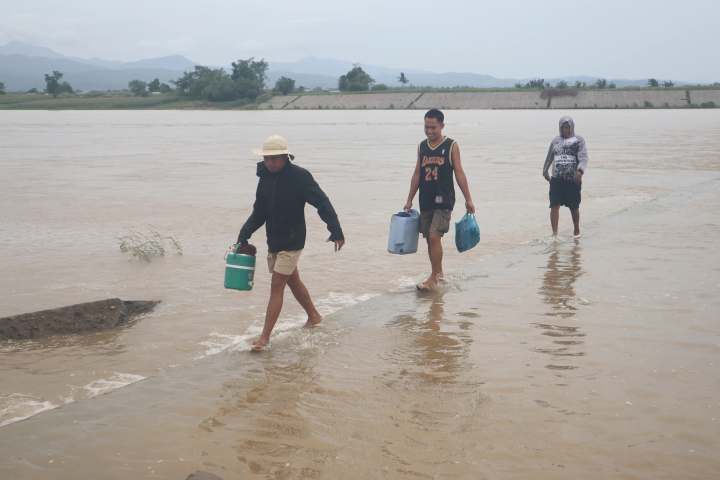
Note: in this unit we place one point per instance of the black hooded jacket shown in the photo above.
(280, 204)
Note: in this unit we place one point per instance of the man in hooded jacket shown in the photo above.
(282, 192)
(568, 157)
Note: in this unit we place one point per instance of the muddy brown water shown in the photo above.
(569, 359)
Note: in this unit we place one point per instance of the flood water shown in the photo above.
(588, 358)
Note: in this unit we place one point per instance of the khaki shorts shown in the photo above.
(283, 262)
(435, 221)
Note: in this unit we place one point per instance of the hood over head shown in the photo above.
(567, 118)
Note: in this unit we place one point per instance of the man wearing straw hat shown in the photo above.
(282, 191)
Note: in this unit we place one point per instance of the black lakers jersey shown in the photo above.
(437, 187)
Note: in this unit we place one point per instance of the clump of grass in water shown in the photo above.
(145, 247)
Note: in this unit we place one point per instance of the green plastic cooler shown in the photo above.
(239, 270)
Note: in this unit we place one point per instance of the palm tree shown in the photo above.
(668, 84)
(578, 84)
(518, 85)
(600, 84)
(561, 84)
(403, 79)
(652, 83)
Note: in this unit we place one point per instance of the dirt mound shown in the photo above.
(80, 318)
(200, 475)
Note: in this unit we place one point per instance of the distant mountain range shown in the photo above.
(23, 67)
(172, 62)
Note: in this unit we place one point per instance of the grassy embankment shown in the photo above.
(508, 89)
(169, 101)
(114, 101)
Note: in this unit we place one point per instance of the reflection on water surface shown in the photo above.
(564, 268)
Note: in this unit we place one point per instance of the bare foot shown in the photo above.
(313, 320)
(258, 346)
(432, 280)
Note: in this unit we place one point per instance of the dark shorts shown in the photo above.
(435, 221)
(565, 192)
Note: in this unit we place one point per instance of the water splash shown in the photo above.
(285, 327)
(403, 282)
(551, 240)
(18, 406)
(336, 300)
(220, 341)
(119, 380)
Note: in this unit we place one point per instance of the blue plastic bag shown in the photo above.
(467, 233)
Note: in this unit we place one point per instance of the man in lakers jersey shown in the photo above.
(438, 158)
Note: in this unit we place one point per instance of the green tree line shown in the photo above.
(540, 83)
(654, 83)
(599, 84)
(140, 88)
(53, 85)
(246, 81)
(358, 80)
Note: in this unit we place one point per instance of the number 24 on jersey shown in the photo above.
(431, 172)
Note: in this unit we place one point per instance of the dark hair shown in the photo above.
(436, 114)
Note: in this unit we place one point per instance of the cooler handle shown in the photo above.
(237, 245)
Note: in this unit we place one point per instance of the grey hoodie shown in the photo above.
(567, 155)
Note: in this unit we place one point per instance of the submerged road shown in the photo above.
(589, 358)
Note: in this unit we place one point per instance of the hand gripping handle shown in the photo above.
(236, 245)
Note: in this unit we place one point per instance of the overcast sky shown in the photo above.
(511, 39)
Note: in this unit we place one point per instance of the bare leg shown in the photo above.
(435, 252)
(301, 294)
(277, 288)
(554, 218)
(576, 220)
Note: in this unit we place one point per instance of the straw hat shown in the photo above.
(274, 145)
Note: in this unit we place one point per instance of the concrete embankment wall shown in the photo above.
(621, 99)
(703, 96)
(497, 100)
(481, 100)
(370, 100)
